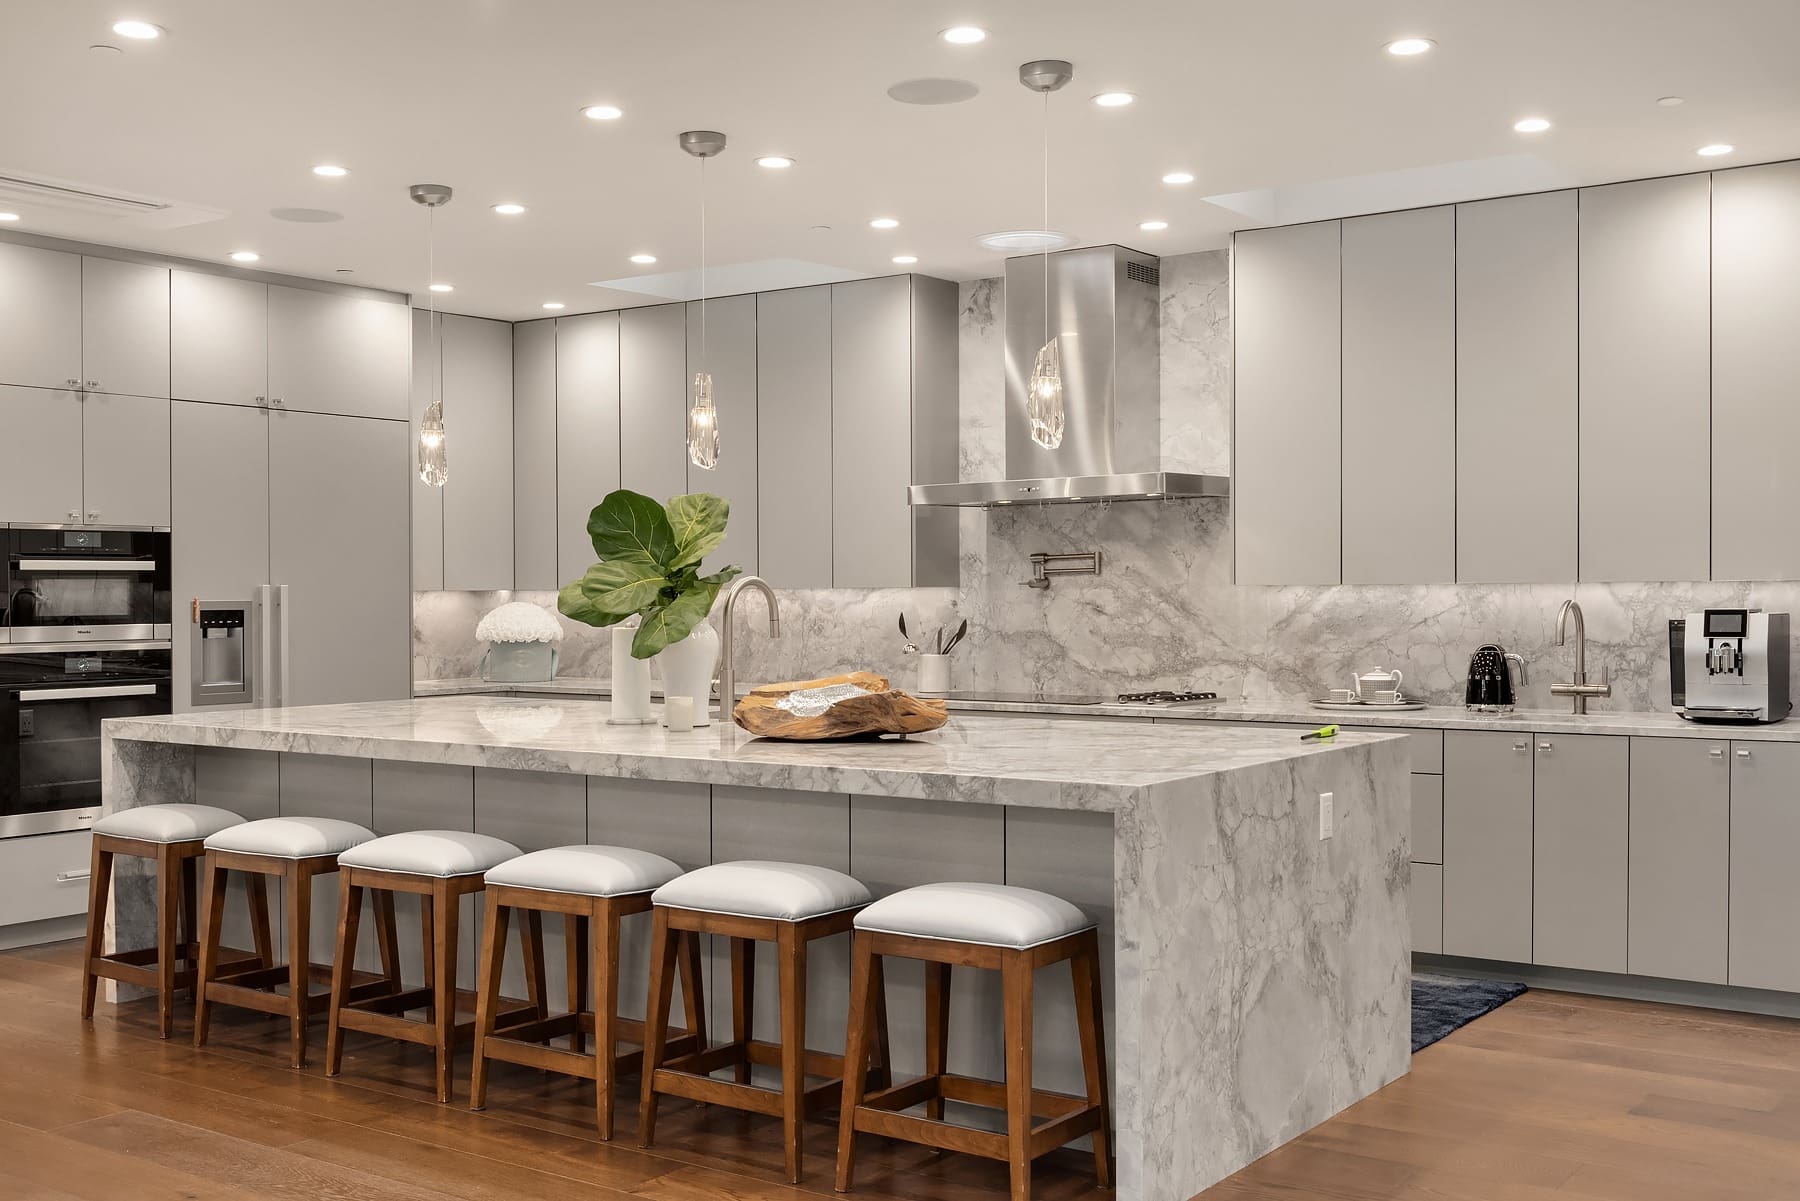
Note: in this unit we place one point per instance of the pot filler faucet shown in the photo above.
(727, 674)
(1577, 688)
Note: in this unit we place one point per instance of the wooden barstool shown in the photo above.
(1013, 931)
(173, 838)
(791, 905)
(440, 867)
(594, 888)
(295, 850)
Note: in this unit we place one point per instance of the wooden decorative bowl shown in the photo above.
(858, 705)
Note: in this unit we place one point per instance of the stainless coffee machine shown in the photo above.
(1729, 665)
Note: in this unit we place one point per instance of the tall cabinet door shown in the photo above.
(331, 353)
(1755, 370)
(1678, 924)
(534, 456)
(871, 433)
(1646, 392)
(725, 345)
(40, 454)
(40, 317)
(341, 551)
(125, 327)
(218, 338)
(653, 389)
(1286, 502)
(587, 432)
(1399, 457)
(1581, 839)
(1516, 422)
(125, 459)
(1765, 888)
(427, 501)
(478, 417)
(1487, 845)
(793, 412)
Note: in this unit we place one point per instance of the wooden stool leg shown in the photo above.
(190, 906)
(212, 916)
(299, 910)
(261, 930)
(881, 1070)
(792, 953)
(605, 925)
(1016, 974)
(743, 999)
(487, 996)
(387, 938)
(168, 937)
(428, 940)
(447, 906)
(856, 1053)
(575, 955)
(350, 900)
(937, 1031)
(656, 1018)
(99, 886)
(1085, 971)
(692, 1003)
(531, 938)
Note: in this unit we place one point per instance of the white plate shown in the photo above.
(1344, 706)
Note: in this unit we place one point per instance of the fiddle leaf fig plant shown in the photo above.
(649, 566)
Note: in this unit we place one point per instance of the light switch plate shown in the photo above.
(1327, 819)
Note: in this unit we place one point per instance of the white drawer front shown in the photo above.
(44, 876)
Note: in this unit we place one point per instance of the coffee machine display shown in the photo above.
(1729, 665)
(1491, 680)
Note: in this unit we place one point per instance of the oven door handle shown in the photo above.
(87, 694)
(84, 565)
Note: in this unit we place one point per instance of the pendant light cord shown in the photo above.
(431, 299)
(1046, 225)
(703, 264)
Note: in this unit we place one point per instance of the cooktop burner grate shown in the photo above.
(1165, 697)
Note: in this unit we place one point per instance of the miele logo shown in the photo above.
(80, 631)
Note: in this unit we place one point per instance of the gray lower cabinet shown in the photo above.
(1680, 890)
(1765, 887)
(43, 877)
(1426, 904)
(1581, 837)
(721, 340)
(587, 432)
(1487, 845)
(653, 401)
(1427, 819)
(40, 316)
(338, 353)
(218, 338)
(793, 413)
(534, 456)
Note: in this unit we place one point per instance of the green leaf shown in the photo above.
(620, 585)
(630, 525)
(674, 620)
(572, 603)
(722, 577)
(698, 519)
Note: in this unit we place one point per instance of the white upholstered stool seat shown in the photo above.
(290, 837)
(787, 892)
(587, 871)
(167, 823)
(995, 915)
(440, 853)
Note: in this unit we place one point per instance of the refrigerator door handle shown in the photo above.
(281, 608)
(265, 623)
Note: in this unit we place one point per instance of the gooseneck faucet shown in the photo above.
(727, 672)
(1578, 687)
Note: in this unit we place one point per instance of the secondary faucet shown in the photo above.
(1578, 688)
(727, 673)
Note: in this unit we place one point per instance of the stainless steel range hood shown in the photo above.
(1105, 305)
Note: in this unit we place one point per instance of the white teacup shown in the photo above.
(1384, 696)
(1343, 696)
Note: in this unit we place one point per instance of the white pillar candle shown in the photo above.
(678, 713)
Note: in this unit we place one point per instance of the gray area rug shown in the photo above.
(1442, 1004)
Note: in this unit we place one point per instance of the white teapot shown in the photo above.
(1380, 680)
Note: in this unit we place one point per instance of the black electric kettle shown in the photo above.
(1490, 679)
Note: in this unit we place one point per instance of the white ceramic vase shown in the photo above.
(630, 680)
(688, 668)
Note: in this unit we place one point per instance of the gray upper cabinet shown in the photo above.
(1399, 444)
(1765, 888)
(1487, 845)
(871, 419)
(1755, 370)
(40, 454)
(334, 353)
(1680, 858)
(218, 338)
(40, 317)
(724, 343)
(478, 425)
(1645, 392)
(936, 428)
(1287, 487)
(534, 456)
(125, 328)
(427, 502)
(793, 412)
(1581, 847)
(1516, 380)
(587, 431)
(653, 392)
(125, 460)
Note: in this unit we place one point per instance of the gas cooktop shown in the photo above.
(1074, 698)
(1165, 697)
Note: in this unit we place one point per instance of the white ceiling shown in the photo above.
(1290, 101)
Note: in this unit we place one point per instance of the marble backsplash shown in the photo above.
(1164, 613)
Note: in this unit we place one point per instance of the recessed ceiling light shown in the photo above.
(1407, 47)
(1179, 177)
(964, 35)
(1670, 101)
(1531, 125)
(443, 287)
(142, 31)
(775, 162)
(9, 216)
(1716, 149)
(884, 223)
(1024, 240)
(906, 260)
(643, 259)
(244, 256)
(1114, 99)
(509, 210)
(554, 304)
(603, 112)
(1151, 227)
(331, 171)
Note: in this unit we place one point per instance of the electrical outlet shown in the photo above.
(1326, 817)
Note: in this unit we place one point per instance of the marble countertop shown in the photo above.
(1046, 761)
(1432, 717)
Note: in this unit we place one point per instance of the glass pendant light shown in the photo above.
(703, 415)
(434, 462)
(1044, 395)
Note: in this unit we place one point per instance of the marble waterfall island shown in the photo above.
(1259, 976)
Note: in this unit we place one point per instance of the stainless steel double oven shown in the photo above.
(85, 634)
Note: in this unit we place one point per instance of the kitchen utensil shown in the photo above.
(956, 637)
(1379, 680)
(910, 648)
(1320, 734)
(1490, 687)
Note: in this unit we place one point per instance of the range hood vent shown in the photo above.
(1105, 303)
